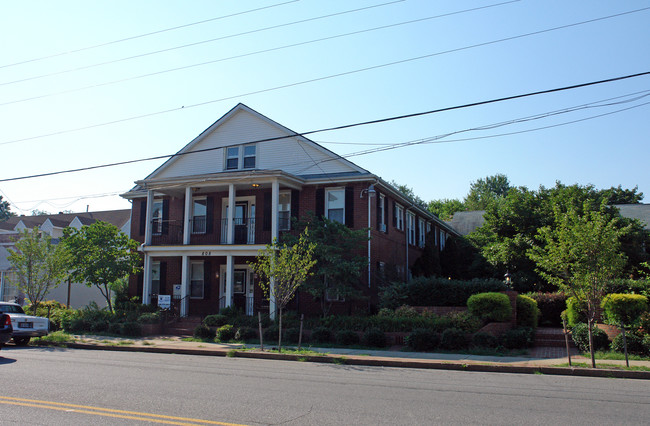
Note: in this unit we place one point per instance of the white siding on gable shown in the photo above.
(244, 127)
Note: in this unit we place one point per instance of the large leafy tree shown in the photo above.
(483, 192)
(580, 253)
(288, 266)
(5, 213)
(38, 264)
(101, 255)
(339, 252)
(446, 208)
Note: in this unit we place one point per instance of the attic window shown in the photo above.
(238, 157)
(232, 159)
(249, 157)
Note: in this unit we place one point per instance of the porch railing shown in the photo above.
(167, 232)
(244, 231)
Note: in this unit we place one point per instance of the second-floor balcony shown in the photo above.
(245, 231)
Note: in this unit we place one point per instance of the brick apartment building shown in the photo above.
(197, 248)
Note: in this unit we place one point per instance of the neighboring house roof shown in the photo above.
(116, 217)
(466, 222)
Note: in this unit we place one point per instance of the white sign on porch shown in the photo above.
(177, 290)
(164, 301)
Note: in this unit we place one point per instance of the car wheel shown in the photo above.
(21, 341)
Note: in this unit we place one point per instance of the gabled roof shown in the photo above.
(243, 125)
(116, 217)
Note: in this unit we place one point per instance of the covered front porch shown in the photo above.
(202, 282)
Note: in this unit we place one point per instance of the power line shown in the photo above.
(197, 43)
(151, 114)
(108, 43)
(257, 52)
(345, 126)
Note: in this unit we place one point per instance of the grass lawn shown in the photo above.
(605, 366)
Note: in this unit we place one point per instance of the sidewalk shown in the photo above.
(540, 360)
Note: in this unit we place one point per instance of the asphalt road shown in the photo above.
(55, 386)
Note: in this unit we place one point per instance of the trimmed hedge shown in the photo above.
(634, 343)
(550, 307)
(321, 335)
(453, 338)
(291, 335)
(225, 333)
(527, 311)
(435, 291)
(484, 340)
(203, 332)
(490, 306)
(387, 324)
(246, 333)
(580, 335)
(217, 320)
(575, 312)
(518, 338)
(374, 337)
(625, 308)
(422, 339)
(347, 337)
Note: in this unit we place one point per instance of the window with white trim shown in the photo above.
(157, 216)
(284, 211)
(249, 157)
(232, 158)
(155, 278)
(381, 214)
(199, 214)
(410, 226)
(399, 217)
(443, 239)
(197, 278)
(422, 236)
(335, 204)
(331, 294)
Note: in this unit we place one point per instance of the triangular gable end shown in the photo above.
(278, 148)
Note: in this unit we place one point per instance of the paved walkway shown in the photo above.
(538, 360)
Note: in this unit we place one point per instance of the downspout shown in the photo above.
(369, 192)
(406, 269)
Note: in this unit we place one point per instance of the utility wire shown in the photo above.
(345, 126)
(257, 52)
(92, 126)
(197, 43)
(108, 43)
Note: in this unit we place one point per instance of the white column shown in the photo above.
(230, 278)
(146, 279)
(231, 217)
(147, 228)
(275, 199)
(187, 226)
(185, 286)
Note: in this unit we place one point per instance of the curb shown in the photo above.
(373, 362)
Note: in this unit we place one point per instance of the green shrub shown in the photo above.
(225, 333)
(51, 309)
(374, 337)
(114, 328)
(580, 335)
(203, 332)
(435, 291)
(347, 337)
(634, 343)
(550, 307)
(149, 318)
(385, 312)
(484, 340)
(625, 308)
(517, 338)
(422, 339)
(291, 335)
(406, 311)
(215, 320)
(646, 343)
(230, 312)
(575, 312)
(271, 333)
(130, 329)
(453, 338)
(99, 326)
(628, 286)
(490, 306)
(321, 335)
(246, 333)
(78, 325)
(644, 322)
(527, 311)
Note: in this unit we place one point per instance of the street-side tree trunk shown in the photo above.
(280, 333)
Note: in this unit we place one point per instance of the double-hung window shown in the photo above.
(157, 217)
(335, 205)
(241, 157)
(422, 235)
(155, 278)
(284, 211)
(199, 215)
(399, 217)
(196, 280)
(410, 224)
(232, 158)
(443, 239)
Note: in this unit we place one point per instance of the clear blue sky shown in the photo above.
(604, 151)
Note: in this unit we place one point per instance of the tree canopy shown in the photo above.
(101, 254)
(5, 212)
(38, 264)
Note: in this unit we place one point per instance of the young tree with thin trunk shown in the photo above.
(38, 265)
(288, 266)
(582, 252)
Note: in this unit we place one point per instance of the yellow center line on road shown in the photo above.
(108, 412)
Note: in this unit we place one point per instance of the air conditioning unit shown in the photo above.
(382, 227)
